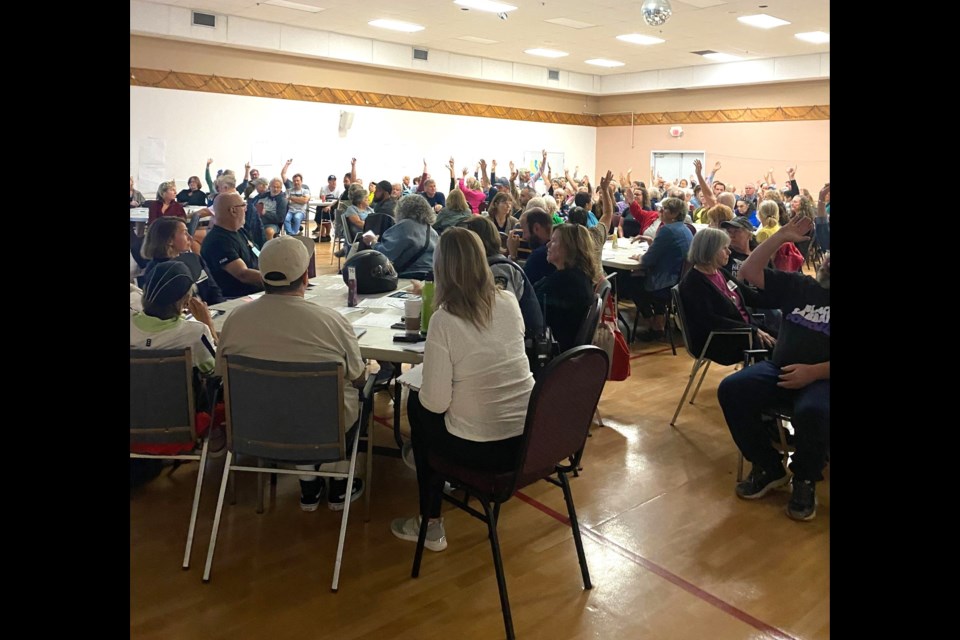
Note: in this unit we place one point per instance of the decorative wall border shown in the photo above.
(288, 91)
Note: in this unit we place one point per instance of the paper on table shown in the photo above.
(381, 303)
(346, 310)
(384, 320)
(416, 347)
(413, 378)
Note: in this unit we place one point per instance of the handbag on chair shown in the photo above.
(610, 339)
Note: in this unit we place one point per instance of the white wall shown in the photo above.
(387, 143)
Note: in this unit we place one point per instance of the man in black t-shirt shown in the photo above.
(229, 253)
(796, 379)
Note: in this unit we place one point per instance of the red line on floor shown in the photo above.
(689, 587)
(648, 353)
(384, 421)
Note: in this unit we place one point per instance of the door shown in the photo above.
(675, 165)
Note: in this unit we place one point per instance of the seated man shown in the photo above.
(298, 197)
(284, 326)
(536, 225)
(796, 379)
(229, 252)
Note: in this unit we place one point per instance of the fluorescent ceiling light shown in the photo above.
(722, 57)
(638, 38)
(762, 21)
(478, 40)
(396, 25)
(600, 62)
(486, 5)
(295, 5)
(567, 22)
(816, 37)
(546, 53)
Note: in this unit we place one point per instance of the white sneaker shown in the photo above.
(409, 529)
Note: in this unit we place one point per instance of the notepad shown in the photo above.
(413, 378)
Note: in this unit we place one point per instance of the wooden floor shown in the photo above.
(672, 552)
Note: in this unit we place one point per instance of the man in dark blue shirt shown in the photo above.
(536, 226)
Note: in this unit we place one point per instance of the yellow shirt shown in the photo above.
(766, 232)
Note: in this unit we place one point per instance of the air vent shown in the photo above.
(420, 54)
(204, 19)
(553, 74)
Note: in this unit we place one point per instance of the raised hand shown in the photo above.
(246, 165)
(209, 161)
(450, 163)
(493, 165)
(716, 166)
(791, 171)
(825, 192)
(796, 230)
(483, 164)
(289, 162)
(511, 166)
(698, 167)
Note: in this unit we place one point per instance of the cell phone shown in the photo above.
(402, 337)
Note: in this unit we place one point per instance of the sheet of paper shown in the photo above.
(416, 347)
(414, 377)
(382, 320)
(381, 303)
(346, 310)
(149, 177)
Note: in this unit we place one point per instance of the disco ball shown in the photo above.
(656, 12)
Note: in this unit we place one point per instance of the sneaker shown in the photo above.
(218, 443)
(760, 482)
(409, 529)
(338, 492)
(407, 454)
(803, 504)
(311, 493)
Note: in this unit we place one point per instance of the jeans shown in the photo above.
(291, 223)
(744, 396)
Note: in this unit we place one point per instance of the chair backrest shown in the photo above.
(678, 305)
(604, 290)
(615, 222)
(560, 411)
(161, 397)
(590, 321)
(378, 223)
(290, 411)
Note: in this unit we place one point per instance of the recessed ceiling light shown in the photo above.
(816, 37)
(721, 57)
(546, 53)
(762, 21)
(637, 38)
(486, 5)
(601, 62)
(295, 5)
(478, 40)
(396, 25)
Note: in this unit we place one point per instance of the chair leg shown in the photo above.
(697, 390)
(575, 525)
(346, 513)
(740, 469)
(196, 504)
(669, 329)
(421, 540)
(368, 481)
(636, 319)
(693, 374)
(626, 326)
(216, 516)
(260, 481)
(498, 565)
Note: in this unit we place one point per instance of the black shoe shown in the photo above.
(325, 238)
(311, 493)
(338, 492)
(339, 253)
(316, 239)
(760, 482)
(803, 504)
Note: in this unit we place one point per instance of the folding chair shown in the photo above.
(275, 413)
(162, 413)
(556, 428)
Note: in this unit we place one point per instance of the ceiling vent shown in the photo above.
(553, 74)
(204, 19)
(420, 54)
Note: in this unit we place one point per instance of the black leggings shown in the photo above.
(429, 433)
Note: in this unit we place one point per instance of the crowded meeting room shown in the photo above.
(551, 277)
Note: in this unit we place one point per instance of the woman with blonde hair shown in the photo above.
(455, 211)
(566, 294)
(769, 214)
(717, 215)
(472, 404)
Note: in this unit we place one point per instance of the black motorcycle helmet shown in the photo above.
(375, 272)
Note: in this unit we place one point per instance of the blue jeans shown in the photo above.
(743, 397)
(291, 223)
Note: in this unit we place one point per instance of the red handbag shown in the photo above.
(610, 339)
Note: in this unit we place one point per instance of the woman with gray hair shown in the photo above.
(166, 203)
(410, 243)
(713, 300)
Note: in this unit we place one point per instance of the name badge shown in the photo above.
(255, 251)
(731, 285)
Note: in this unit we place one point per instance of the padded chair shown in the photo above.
(289, 412)
(700, 361)
(555, 429)
(162, 413)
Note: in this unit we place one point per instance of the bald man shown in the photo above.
(229, 252)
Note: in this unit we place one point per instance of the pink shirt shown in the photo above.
(474, 198)
(721, 283)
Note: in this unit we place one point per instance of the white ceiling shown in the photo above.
(694, 25)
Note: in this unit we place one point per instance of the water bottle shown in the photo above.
(426, 309)
(352, 299)
(615, 236)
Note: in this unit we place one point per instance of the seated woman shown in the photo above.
(136, 198)
(714, 301)
(748, 208)
(717, 215)
(661, 266)
(167, 240)
(272, 208)
(476, 380)
(454, 212)
(411, 242)
(507, 274)
(355, 214)
(769, 214)
(193, 194)
(499, 212)
(566, 294)
(166, 203)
